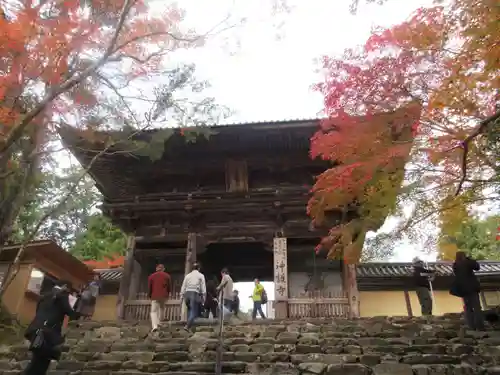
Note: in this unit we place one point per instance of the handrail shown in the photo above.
(220, 342)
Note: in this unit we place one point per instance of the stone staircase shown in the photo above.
(378, 346)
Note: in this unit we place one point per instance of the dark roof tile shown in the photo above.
(406, 269)
(111, 275)
(364, 270)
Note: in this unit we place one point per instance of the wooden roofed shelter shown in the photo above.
(43, 263)
(236, 199)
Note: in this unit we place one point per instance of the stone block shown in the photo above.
(272, 369)
(348, 369)
(262, 348)
(392, 369)
(312, 368)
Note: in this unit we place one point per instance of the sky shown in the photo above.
(268, 74)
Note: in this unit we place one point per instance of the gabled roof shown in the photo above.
(49, 250)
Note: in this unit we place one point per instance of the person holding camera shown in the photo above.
(45, 331)
(422, 278)
(466, 286)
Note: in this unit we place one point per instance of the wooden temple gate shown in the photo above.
(288, 303)
(236, 199)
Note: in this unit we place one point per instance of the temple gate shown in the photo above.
(236, 199)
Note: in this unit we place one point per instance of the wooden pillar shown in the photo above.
(135, 280)
(351, 287)
(409, 310)
(280, 278)
(124, 291)
(191, 250)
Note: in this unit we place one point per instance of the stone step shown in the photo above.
(305, 368)
(277, 332)
(75, 360)
(378, 346)
(212, 324)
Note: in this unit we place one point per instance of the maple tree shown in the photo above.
(439, 69)
(476, 236)
(85, 65)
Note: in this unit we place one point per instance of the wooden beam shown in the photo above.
(123, 293)
(233, 231)
(236, 175)
(135, 279)
(273, 192)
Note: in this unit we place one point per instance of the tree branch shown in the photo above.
(481, 128)
(19, 128)
(12, 272)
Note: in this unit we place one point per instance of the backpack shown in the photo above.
(263, 297)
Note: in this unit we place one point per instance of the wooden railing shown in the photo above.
(319, 305)
(140, 308)
(328, 305)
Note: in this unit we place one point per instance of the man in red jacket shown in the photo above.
(158, 289)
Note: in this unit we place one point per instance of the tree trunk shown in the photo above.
(15, 191)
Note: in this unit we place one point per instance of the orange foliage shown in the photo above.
(445, 59)
(50, 52)
(114, 262)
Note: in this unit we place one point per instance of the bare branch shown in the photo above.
(481, 128)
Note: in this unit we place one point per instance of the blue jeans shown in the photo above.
(257, 306)
(192, 300)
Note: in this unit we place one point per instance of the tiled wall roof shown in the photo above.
(112, 274)
(406, 269)
(364, 270)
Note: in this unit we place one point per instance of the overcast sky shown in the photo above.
(269, 74)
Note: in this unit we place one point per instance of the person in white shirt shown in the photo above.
(193, 294)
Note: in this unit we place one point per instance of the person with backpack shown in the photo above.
(45, 331)
(466, 286)
(259, 298)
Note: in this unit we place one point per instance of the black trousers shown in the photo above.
(473, 312)
(425, 299)
(38, 365)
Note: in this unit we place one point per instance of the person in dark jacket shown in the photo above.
(51, 310)
(466, 285)
(211, 303)
(235, 303)
(421, 278)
